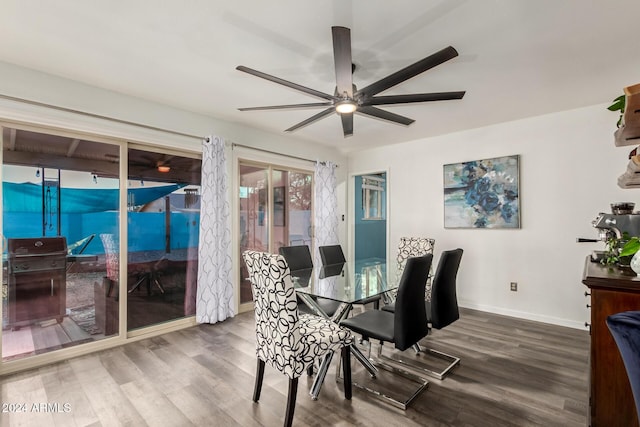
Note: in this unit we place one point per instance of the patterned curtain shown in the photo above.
(325, 207)
(214, 299)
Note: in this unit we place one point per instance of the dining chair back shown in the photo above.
(625, 328)
(331, 254)
(410, 319)
(299, 260)
(112, 260)
(286, 340)
(442, 310)
(412, 247)
(444, 302)
(297, 257)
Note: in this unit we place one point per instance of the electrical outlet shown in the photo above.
(514, 286)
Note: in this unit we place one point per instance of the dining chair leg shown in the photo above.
(322, 373)
(346, 371)
(291, 401)
(259, 376)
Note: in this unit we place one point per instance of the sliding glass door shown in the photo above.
(275, 210)
(61, 234)
(60, 197)
(163, 220)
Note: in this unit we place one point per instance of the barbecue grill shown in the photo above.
(37, 280)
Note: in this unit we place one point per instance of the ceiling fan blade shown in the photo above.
(342, 60)
(409, 72)
(384, 115)
(283, 82)
(311, 119)
(290, 106)
(415, 97)
(347, 124)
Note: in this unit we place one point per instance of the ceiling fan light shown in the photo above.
(164, 168)
(345, 107)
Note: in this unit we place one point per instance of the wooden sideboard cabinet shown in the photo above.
(612, 290)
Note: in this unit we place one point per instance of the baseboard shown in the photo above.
(524, 315)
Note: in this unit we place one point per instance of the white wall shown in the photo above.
(568, 171)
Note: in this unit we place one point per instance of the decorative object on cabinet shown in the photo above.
(482, 193)
(618, 105)
(631, 176)
(631, 248)
(628, 132)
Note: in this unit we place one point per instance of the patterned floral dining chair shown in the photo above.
(287, 340)
(112, 261)
(412, 247)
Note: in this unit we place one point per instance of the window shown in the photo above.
(373, 187)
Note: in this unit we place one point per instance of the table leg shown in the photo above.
(364, 361)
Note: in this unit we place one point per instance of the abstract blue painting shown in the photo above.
(482, 193)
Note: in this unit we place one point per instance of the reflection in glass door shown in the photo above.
(275, 210)
(254, 229)
(60, 196)
(163, 219)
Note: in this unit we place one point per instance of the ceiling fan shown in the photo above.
(347, 99)
(148, 162)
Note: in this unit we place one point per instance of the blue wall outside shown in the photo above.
(146, 229)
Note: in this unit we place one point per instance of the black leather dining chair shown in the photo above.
(405, 326)
(298, 259)
(442, 309)
(625, 328)
(333, 255)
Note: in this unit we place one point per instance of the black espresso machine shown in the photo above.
(621, 224)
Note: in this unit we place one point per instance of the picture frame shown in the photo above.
(482, 193)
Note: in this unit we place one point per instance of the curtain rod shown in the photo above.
(97, 116)
(278, 154)
(126, 122)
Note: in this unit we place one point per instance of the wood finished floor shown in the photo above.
(513, 373)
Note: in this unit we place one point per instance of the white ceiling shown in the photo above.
(518, 58)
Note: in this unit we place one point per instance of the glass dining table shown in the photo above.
(348, 284)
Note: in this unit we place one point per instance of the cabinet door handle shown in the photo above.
(588, 305)
(586, 294)
(51, 287)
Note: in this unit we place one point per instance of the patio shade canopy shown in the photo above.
(27, 197)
